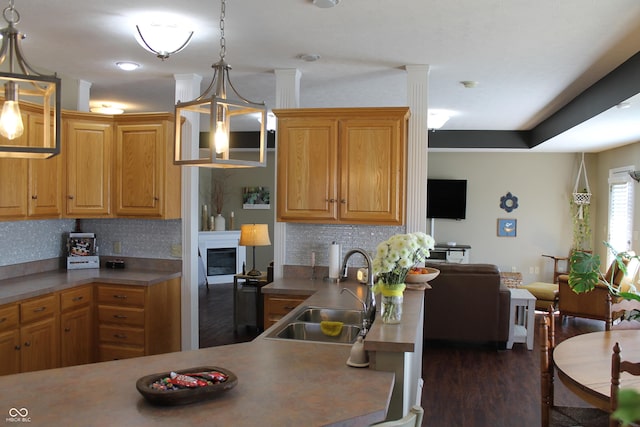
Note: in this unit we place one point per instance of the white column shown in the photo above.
(417, 91)
(287, 96)
(84, 95)
(187, 88)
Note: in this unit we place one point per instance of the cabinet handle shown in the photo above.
(343, 201)
(34, 197)
(70, 197)
(27, 344)
(120, 296)
(120, 336)
(156, 198)
(39, 309)
(67, 329)
(119, 316)
(290, 308)
(17, 347)
(77, 299)
(3, 319)
(330, 200)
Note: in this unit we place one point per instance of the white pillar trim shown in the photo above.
(417, 147)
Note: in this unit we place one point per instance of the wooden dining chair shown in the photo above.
(560, 416)
(617, 367)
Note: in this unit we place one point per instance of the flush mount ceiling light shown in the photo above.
(469, 84)
(38, 95)
(163, 39)
(107, 109)
(127, 66)
(224, 116)
(325, 4)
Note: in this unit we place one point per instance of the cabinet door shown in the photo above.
(76, 337)
(372, 181)
(10, 352)
(139, 170)
(39, 345)
(45, 177)
(88, 150)
(13, 179)
(307, 170)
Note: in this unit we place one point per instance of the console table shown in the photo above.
(521, 318)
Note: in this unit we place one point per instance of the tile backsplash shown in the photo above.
(26, 241)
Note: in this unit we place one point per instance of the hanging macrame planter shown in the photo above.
(582, 198)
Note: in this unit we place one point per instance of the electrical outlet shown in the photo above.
(176, 250)
(117, 247)
(513, 269)
(530, 270)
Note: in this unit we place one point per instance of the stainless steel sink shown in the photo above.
(311, 332)
(317, 315)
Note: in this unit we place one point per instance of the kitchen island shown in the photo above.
(280, 382)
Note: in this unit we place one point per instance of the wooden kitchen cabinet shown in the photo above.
(9, 339)
(343, 165)
(31, 187)
(76, 326)
(138, 320)
(39, 334)
(147, 183)
(88, 150)
(276, 306)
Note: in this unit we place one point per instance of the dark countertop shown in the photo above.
(33, 285)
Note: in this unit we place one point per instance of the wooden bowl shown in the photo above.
(422, 278)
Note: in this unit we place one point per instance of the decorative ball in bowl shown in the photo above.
(421, 274)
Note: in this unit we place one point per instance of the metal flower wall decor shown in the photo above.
(508, 202)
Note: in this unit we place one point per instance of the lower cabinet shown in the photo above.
(89, 323)
(138, 320)
(76, 326)
(276, 306)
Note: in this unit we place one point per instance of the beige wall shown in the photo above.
(543, 183)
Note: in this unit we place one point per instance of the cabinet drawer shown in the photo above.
(9, 317)
(121, 315)
(277, 305)
(120, 295)
(75, 298)
(37, 308)
(122, 335)
(114, 352)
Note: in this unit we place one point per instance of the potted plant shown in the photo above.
(584, 274)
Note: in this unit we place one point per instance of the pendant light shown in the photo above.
(222, 114)
(29, 94)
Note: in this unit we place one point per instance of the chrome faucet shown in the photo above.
(369, 303)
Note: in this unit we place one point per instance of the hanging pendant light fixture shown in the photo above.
(26, 95)
(223, 115)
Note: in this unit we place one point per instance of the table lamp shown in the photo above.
(254, 235)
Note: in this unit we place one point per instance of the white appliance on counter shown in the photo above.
(221, 254)
(82, 251)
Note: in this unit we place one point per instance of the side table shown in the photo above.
(521, 318)
(256, 282)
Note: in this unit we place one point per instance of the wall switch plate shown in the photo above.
(117, 247)
(176, 250)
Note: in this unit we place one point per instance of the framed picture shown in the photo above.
(507, 227)
(256, 198)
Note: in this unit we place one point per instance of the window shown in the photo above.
(620, 210)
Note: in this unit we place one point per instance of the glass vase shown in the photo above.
(391, 309)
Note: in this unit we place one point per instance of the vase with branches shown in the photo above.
(219, 189)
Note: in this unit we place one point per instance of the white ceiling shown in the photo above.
(529, 57)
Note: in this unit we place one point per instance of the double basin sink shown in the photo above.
(305, 325)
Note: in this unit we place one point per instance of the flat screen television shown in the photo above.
(447, 198)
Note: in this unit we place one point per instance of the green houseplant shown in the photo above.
(584, 275)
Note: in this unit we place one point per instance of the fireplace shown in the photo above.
(221, 255)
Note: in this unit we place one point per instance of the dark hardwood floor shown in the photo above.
(464, 385)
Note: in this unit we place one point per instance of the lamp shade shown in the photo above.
(254, 235)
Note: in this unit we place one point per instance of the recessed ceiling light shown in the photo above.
(127, 66)
(623, 105)
(469, 84)
(309, 57)
(325, 4)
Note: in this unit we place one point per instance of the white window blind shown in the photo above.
(620, 210)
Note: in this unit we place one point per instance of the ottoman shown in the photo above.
(545, 293)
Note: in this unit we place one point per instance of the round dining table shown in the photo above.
(583, 364)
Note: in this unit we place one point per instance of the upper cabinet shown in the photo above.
(342, 165)
(87, 147)
(147, 183)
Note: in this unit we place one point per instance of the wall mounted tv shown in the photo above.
(447, 198)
